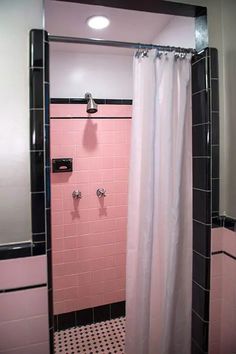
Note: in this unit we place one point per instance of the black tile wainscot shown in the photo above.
(205, 106)
(89, 316)
(40, 156)
(84, 101)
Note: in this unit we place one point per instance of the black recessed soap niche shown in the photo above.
(62, 165)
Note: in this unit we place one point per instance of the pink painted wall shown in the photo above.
(223, 293)
(24, 313)
(89, 235)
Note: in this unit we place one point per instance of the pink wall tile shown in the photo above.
(217, 239)
(39, 348)
(229, 241)
(79, 110)
(24, 321)
(223, 293)
(23, 304)
(20, 272)
(89, 236)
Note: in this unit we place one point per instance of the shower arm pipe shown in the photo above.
(118, 44)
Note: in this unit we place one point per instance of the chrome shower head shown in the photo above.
(91, 105)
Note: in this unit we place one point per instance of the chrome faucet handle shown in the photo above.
(101, 192)
(77, 194)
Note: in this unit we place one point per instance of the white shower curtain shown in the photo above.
(159, 247)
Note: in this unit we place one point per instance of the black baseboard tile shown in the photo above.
(84, 317)
(65, 320)
(89, 315)
(102, 313)
(118, 309)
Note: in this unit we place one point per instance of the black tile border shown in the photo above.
(229, 223)
(16, 250)
(102, 101)
(28, 287)
(89, 315)
(91, 117)
(223, 221)
(99, 101)
(225, 253)
(24, 249)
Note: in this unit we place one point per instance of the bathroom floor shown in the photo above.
(103, 337)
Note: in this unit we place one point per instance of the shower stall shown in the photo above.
(123, 264)
(101, 273)
(107, 244)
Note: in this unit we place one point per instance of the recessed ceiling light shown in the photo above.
(98, 22)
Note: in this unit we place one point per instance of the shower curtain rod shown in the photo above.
(118, 44)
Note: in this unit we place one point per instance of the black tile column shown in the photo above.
(215, 137)
(205, 131)
(40, 156)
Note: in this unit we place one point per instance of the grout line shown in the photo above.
(201, 157)
(37, 192)
(36, 67)
(201, 91)
(201, 255)
(204, 123)
(202, 190)
(200, 316)
(36, 150)
(203, 58)
(195, 282)
(200, 222)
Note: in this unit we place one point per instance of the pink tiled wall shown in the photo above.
(24, 313)
(89, 235)
(223, 293)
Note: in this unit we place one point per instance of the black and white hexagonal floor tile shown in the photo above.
(106, 337)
